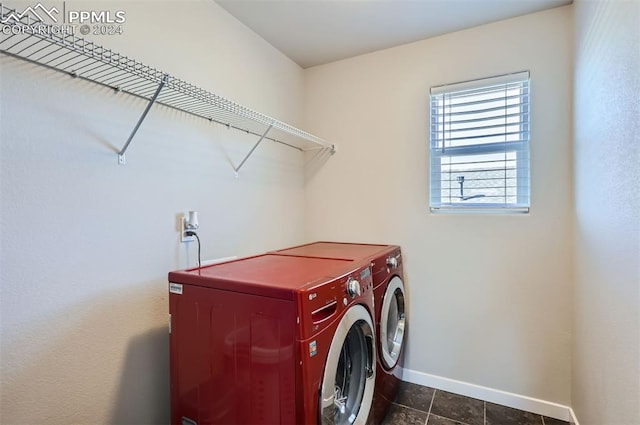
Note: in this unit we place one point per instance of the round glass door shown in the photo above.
(392, 323)
(349, 375)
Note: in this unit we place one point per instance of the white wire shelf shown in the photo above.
(32, 40)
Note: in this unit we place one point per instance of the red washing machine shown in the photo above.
(272, 339)
(389, 300)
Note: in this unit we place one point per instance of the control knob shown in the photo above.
(392, 262)
(353, 287)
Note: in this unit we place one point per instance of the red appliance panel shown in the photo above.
(318, 334)
(236, 350)
(380, 269)
(268, 275)
(244, 335)
(321, 304)
(312, 372)
(349, 251)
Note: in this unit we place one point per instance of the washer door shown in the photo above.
(392, 323)
(349, 374)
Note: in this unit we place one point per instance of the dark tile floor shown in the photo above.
(418, 405)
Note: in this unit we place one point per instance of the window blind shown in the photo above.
(479, 150)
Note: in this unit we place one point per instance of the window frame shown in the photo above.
(520, 147)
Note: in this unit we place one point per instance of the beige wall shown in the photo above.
(489, 295)
(86, 243)
(606, 350)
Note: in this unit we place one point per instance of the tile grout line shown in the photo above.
(484, 412)
(457, 422)
(439, 416)
(430, 405)
(409, 407)
(542, 417)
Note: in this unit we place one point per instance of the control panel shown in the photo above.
(324, 302)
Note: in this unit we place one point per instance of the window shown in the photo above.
(480, 145)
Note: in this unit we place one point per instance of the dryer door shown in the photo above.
(349, 374)
(392, 323)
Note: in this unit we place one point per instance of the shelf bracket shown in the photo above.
(236, 169)
(121, 157)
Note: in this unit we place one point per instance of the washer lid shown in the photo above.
(276, 276)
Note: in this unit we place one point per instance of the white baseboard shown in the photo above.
(517, 401)
(217, 261)
(574, 420)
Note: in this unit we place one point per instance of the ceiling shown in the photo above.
(315, 32)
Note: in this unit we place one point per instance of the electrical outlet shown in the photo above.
(189, 223)
(184, 237)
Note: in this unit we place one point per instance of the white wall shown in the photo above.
(489, 295)
(87, 244)
(606, 350)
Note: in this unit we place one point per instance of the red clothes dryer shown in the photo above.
(389, 300)
(272, 339)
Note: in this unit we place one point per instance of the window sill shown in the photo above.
(472, 210)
